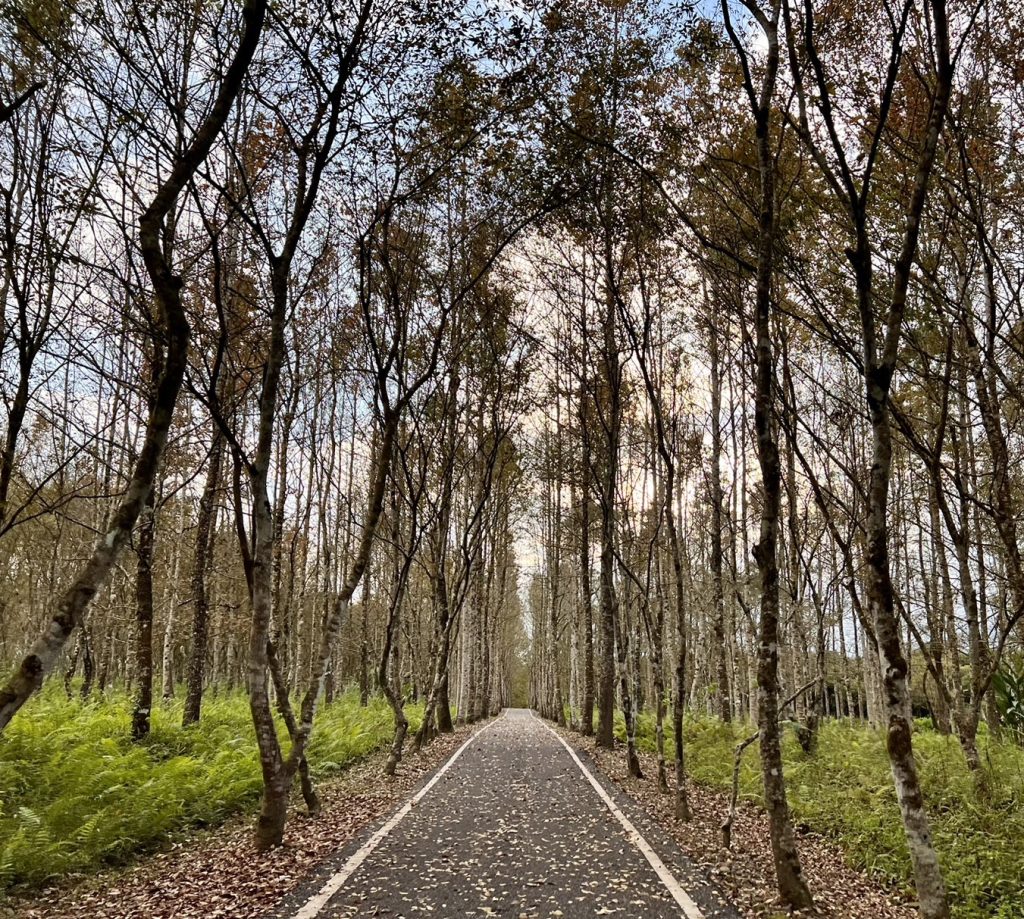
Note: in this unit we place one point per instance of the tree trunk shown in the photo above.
(720, 648)
(629, 715)
(171, 620)
(276, 780)
(201, 564)
(144, 623)
(611, 413)
(586, 596)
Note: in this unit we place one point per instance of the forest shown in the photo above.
(371, 367)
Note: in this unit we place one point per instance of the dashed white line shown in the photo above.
(312, 907)
(689, 908)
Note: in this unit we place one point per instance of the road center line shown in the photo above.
(689, 908)
(312, 907)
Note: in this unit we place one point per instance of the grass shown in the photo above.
(76, 794)
(844, 790)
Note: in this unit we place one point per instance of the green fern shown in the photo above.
(845, 790)
(76, 793)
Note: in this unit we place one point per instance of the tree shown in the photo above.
(792, 887)
(881, 347)
(172, 341)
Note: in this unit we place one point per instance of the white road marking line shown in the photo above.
(689, 908)
(312, 907)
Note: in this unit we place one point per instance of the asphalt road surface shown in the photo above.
(515, 827)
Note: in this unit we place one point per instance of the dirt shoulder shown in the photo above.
(745, 873)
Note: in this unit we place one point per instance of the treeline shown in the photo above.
(320, 323)
(778, 470)
(262, 368)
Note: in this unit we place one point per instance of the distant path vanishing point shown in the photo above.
(515, 824)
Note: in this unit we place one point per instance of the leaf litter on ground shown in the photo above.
(744, 874)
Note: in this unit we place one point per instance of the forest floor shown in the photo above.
(513, 824)
(519, 824)
(745, 873)
(218, 874)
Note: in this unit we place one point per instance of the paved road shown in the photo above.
(513, 829)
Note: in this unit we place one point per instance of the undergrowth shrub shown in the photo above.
(77, 794)
(844, 790)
